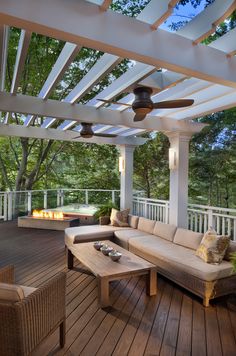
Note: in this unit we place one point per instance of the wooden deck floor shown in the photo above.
(171, 323)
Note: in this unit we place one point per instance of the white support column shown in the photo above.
(179, 142)
(126, 177)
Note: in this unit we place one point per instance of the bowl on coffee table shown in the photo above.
(98, 245)
(115, 255)
(106, 249)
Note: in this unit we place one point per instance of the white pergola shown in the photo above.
(190, 69)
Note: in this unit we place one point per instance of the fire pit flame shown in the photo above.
(47, 214)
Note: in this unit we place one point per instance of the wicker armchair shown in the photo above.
(26, 323)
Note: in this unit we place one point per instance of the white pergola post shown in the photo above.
(179, 143)
(126, 177)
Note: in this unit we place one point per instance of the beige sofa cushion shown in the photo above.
(166, 231)
(11, 293)
(173, 258)
(146, 225)
(188, 238)
(230, 249)
(122, 237)
(90, 233)
(133, 221)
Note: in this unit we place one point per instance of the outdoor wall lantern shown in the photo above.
(121, 164)
(172, 159)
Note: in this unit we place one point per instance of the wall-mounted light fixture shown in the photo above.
(172, 159)
(121, 164)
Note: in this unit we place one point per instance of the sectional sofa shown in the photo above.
(170, 248)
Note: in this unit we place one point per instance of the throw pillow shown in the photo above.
(119, 218)
(212, 247)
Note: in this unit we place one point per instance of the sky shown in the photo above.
(182, 14)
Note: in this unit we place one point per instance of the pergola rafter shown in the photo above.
(66, 56)
(206, 22)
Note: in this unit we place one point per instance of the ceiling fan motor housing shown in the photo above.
(142, 103)
(86, 131)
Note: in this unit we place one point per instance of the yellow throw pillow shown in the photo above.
(212, 247)
(119, 218)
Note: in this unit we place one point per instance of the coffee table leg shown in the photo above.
(70, 259)
(151, 282)
(103, 292)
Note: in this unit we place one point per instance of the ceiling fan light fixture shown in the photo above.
(86, 131)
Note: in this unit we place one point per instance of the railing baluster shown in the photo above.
(223, 226)
(200, 222)
(218, 225)
(205, 222)
(228, 232)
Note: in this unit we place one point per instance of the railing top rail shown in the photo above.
(150, 200)
(208, 207)
(59, 189)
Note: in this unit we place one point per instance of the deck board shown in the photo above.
(173, 322)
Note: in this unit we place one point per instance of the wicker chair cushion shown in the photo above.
(133, 221)
(166, 231)
(11, 293)
(28, 290)
(146, 225)
(212, 248)
(187, 238)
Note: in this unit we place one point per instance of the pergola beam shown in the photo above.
(69, 21)
(54, 134)
(82, 113)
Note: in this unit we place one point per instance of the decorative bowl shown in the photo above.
(106, 249)
(98, 245)
(115, 255)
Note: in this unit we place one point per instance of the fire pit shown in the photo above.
(49, 220)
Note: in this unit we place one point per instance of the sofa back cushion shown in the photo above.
(230, 249)
(11, 293)
(165, 231)
(133, 221)
(146, 225)
(188, 238)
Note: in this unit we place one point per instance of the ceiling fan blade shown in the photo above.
(114, 102)
(139, 117)
(104, 135)
(172, 104)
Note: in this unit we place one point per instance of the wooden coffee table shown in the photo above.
(106, 270)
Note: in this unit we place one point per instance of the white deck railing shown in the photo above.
(16, 202)
(200, 217)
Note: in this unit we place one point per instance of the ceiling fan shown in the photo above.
(143, 104)
(87, 132)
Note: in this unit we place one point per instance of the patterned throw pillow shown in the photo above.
(119, 218)
(212, 247)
